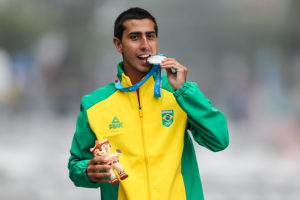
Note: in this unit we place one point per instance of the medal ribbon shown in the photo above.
(157, 84)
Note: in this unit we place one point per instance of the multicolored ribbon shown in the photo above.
(157, 84)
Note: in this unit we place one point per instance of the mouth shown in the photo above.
(143, 58)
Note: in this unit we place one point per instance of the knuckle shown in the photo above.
(90, 171)
(99, 160)
(103, 180)
(89, 167)
(98, 175)
(91, 162)
(101, 175)
(91, 175)
(100, 167)
(96, 158)
(106, 166)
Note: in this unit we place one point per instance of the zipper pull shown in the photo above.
(140, 111)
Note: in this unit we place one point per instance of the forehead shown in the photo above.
(138, 25)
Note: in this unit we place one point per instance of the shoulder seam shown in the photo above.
(98, 95)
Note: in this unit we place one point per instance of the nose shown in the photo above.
(145, 43)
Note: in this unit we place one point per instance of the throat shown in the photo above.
(136, 78)
(134, 74)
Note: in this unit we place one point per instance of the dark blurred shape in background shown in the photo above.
(244, 54)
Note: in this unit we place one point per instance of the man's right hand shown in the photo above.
(94, 168)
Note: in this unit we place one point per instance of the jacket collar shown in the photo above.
(125, 80)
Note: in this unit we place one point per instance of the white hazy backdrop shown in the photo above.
(244, 54)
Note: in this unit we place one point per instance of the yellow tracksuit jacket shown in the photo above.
(158, 153)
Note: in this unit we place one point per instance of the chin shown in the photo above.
(145, 69)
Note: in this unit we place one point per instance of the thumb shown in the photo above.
(100, 159)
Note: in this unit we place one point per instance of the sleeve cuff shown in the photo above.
(82, 165)
(181, 90)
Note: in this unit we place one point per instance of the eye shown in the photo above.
(109, 146)
(151, 35)
(133, 37)
(103, 145)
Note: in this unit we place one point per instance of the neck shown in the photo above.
(134, 75)
(135, 78)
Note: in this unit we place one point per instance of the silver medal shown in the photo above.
(156, 60)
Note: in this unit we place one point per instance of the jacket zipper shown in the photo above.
(144, 145)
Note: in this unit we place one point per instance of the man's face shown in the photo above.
(139, 41)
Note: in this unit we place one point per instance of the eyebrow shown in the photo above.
(140, 33)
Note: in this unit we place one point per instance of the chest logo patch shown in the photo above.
(167, 117)
(115, 124)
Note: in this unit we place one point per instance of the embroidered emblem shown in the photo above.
(167, 117)
(115, 124)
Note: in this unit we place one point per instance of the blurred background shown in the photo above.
(244, 54)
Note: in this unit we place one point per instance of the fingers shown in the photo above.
(99, 177)
(97, 160)
(102, 180)
(176, 72)
(97, 170)
(170, 63)
(96, 175)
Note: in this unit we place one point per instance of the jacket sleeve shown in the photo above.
(83, 140)
(207, 124)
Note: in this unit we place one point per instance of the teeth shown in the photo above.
(144, 56)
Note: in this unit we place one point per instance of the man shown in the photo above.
(157, 151)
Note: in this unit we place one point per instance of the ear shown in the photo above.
(118, 44)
